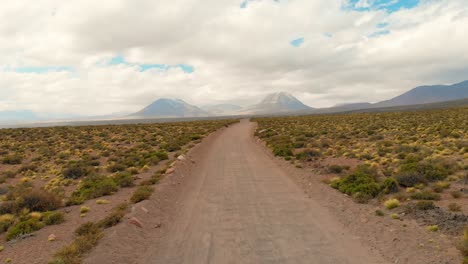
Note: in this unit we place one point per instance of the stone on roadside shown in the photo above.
(51, 237)
(134, 221)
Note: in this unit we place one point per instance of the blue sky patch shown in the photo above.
(244, 3)
(144, 67)
(297, 42)
(387, 5)
(43, 69)
(382, 25)
(379, 33)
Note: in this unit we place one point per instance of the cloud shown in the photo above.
(233, 55)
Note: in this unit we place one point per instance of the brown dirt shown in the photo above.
(233, 202)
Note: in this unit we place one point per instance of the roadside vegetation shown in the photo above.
(404, 161)
(45, 170)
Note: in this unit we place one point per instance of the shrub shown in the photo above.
(425, 205)
(53, 218)
(23, 228)
(6, 221)
(124, 179)
(390, 185)
(40, 200)
(153, 180)
(76, 170)
(87, 228)
(282, 151)
(429, 170)
(379, 213)
(425, 195)
(454, 207)
(142, 193)
(456, 194)
(115, 217)
(409, 179)
(102, 201)
(464, 243)
(308, 154)
(162, 155)
(12, 159)
(88, 236)
(84, 209)
(93, 187)
(335, 169)
(392, 203)
(433, 228)
(116, 167)
(360, 181)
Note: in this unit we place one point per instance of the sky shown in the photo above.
(60, 58)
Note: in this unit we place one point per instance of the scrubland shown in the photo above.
(44, 171)
(410, 164)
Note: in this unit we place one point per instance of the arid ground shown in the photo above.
(231, 201)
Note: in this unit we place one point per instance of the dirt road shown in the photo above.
(242, 208)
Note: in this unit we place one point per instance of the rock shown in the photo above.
(134, 221)
(170, 170)
(181, 157)
(158, 225)
(51, 237)
(144, 210)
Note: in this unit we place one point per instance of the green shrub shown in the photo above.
(335, 169)
(23, 228)
(360, 181)
(53, 218)
(162, 155)
(116, 167)
(425, 205)
(40, 201)
(12, 159)
(93, 187)
(124, 179)
(88, 235)
(282, 151)
(142, 193)
(410, 179)
(425, 195)
(379, 213)
(87, 228)
(115, 217)
(152, 180)
(76, 170)
(390, 185)
(6, 221)
(308, 154)
(392, 203)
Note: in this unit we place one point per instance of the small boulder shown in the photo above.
(170, 170)
(51, 238)
(134, 221)
(181, 157)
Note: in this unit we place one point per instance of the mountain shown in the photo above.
(276, 103)
(428, 94)
(166, 108)
(222, 109)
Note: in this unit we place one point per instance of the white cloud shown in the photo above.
(239, 54)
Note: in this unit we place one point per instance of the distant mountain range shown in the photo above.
(169, 108)
(276, 103)
(428, 94)
(281, 103)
